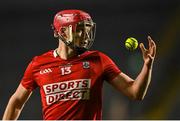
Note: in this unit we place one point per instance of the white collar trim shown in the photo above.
(55, 53)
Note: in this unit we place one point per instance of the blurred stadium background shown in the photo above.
(25, 31)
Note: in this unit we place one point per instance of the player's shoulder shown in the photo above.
(96, 53)
(43, 57)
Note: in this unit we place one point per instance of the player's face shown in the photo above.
(82, 36)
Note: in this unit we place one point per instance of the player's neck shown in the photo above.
(65, 52)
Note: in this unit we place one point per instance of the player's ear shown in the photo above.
(63, 32)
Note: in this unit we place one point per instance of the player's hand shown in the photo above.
(148, 54)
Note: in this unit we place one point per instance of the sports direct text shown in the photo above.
(67, 90)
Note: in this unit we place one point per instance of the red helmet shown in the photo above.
(69, 17)
(74, 18)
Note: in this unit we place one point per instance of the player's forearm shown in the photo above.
(12, 111)
(142, 81)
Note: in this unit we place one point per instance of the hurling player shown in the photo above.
(70, 77)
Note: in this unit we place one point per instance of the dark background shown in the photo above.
(25, 31)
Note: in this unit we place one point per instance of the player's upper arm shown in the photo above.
(20, 96)
(124, 83)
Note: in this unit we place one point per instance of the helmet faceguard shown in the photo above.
(80, 26)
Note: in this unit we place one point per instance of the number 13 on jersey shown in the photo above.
(65, 70)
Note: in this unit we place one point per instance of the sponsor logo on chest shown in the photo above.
(67, 90)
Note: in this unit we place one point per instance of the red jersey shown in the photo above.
(70, 89)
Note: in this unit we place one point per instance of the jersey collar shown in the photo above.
(55, 54)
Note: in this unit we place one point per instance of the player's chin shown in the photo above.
(83, 45)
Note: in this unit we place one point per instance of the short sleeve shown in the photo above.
(28, 81)
(110, 69)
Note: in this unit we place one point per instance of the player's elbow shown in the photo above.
(137, 94)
